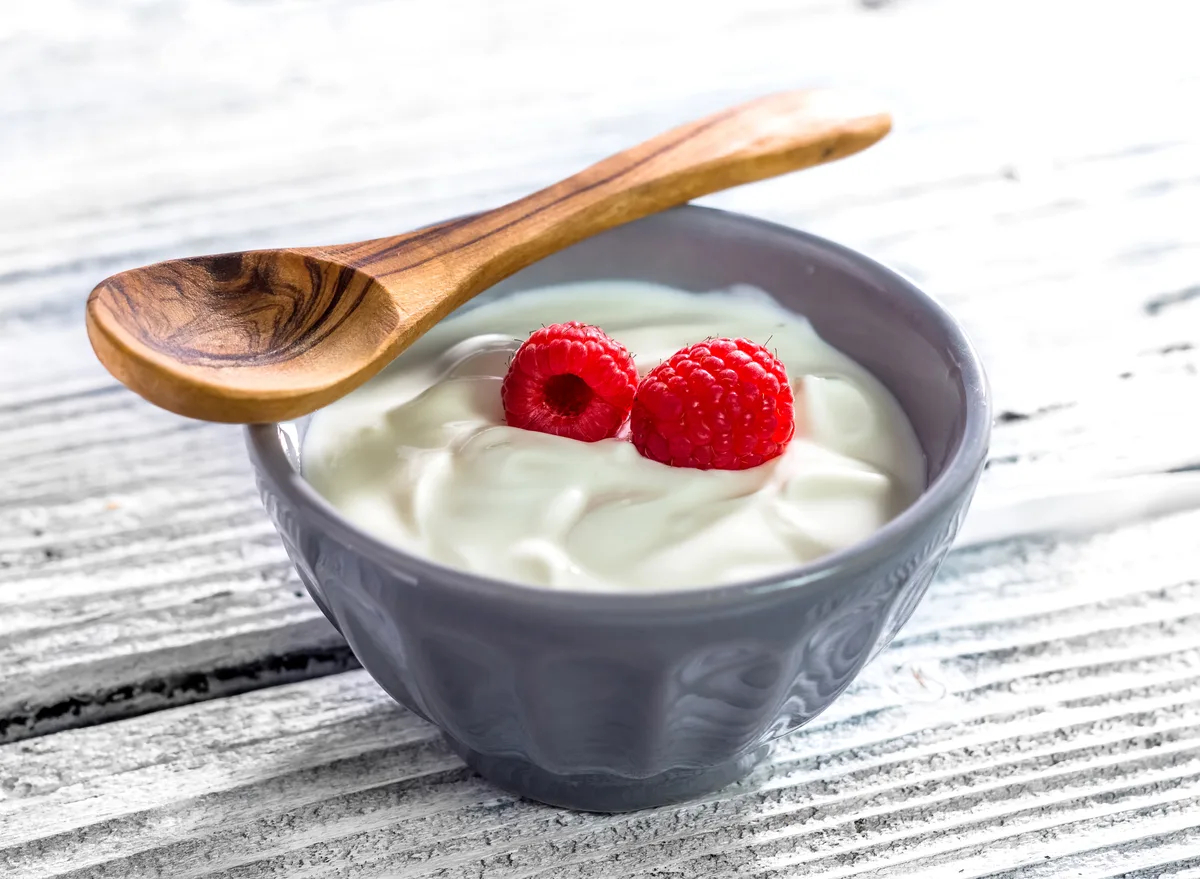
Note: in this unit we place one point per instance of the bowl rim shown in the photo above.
(267, 454)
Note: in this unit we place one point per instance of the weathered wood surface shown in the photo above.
(1043, 180)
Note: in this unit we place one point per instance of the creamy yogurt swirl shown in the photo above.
(420, 456)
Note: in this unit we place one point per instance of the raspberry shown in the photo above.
(722, 404)
(570, 380)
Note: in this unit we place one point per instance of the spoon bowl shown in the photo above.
(242, 337)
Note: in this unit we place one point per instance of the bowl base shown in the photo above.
(603, 792)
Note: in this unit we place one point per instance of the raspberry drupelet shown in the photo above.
(570, 380)
(722, 404)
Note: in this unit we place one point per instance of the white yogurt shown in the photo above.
(420, 456)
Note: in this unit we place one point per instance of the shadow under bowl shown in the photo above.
(617, 701)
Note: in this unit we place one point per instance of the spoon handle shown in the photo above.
(753, 141)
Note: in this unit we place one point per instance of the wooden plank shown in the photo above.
(1043, 704)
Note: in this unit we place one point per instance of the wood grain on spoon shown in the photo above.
(270, 335)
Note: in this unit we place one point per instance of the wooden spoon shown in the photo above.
(269, 335)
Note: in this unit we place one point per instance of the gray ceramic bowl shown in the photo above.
(616, 701)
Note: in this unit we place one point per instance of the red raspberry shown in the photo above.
(723, 404)
(570, 380)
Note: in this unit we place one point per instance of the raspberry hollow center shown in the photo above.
(568, 395)
(570, 380)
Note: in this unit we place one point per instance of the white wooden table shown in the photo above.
(172, 703)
